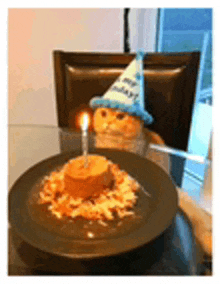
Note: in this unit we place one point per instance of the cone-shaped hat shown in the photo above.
(127, 92)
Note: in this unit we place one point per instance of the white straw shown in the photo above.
(196, 158)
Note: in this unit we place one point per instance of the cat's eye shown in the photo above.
(103, 113)
(120, 116)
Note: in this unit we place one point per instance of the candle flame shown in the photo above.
(84, 121)
(79, 119)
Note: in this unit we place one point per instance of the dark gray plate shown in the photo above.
(35, 225)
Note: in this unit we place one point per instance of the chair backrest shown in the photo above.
(170, 83)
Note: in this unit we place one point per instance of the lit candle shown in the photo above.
(84, 127)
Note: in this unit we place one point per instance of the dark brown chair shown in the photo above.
(170, 83)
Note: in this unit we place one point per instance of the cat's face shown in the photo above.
(117, 123)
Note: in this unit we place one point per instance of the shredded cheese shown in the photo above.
(119, 200)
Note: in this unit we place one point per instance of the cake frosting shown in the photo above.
(86, 182)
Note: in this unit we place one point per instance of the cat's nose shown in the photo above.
(105, 125)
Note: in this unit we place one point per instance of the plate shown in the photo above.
(156, 207)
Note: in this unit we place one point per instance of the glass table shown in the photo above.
(175, 252)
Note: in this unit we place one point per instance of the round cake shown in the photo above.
(87, 182)
(100, 191)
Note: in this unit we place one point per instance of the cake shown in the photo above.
(86, 182)
(96, 192)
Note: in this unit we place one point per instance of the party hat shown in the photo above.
(127, 92)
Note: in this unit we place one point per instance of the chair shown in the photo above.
(170, 82)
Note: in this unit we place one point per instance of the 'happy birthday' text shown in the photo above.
(124, 90)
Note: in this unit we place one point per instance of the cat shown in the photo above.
(116, 129)
(119, 130)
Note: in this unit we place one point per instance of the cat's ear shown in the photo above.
(153, 137)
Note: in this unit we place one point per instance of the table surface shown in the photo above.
(30, 144)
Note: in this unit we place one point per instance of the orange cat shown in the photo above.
(116, 129)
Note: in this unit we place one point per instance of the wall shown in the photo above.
(143, 28)
(32, 36)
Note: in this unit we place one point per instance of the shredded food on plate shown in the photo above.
(117, 201)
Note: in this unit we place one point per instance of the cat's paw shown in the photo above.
(200, 220)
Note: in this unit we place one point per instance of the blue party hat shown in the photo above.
(127, 92)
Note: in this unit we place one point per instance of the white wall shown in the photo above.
(32, 36)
